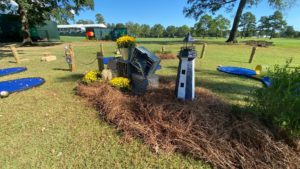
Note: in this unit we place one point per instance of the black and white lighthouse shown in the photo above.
(185, 83)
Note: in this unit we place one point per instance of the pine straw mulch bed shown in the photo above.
(204, 128)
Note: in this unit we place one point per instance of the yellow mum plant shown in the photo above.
(121, 83)
(126, 42)
(92, 76)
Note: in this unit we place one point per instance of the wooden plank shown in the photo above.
(48, 58)
(15, 53)
(73, 65)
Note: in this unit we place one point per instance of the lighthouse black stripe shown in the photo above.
(189, 81)
(178, 79)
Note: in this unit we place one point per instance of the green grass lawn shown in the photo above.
(50, 127)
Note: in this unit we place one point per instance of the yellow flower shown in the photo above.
(92, 76)
(120, 83)
(126, 42)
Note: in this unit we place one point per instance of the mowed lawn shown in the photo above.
(51, 127)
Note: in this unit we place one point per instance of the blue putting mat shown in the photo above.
(17, 85)
(244, 72)
(13, 70)
(266, 81)
(237, 71)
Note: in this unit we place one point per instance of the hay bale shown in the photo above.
(48, 58)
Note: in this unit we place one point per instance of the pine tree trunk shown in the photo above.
(234, 29)
(25, 27)
(272, 33)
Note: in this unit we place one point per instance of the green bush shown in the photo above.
(280, 103)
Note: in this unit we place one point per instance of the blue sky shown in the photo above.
(169, 12)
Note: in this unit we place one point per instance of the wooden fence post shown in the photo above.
(72, 54)
(163, 49)
(15, 53)
(203, 50)
(100, 56)
(101, 50)
(252, 54)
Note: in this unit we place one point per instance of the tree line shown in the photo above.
(207, 26)
(267, 26)
(198, 8)
(34, 12)
(155, 31)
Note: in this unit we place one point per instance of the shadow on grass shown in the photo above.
(230, 89)
(61, 69)
(5, 53)
(203, 71)
(46, 44)
(35, 44)
(236, 61)
(70, 78)
(181, 42)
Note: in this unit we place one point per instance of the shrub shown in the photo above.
(92, 76)
(280, 103)
(120, 83)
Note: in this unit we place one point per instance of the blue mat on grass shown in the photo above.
(237, 71)
(244, 72)
(13, 70)
(107, 59)
(18, 85)
(266, 81)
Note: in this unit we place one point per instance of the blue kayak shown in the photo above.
(13, 70)
(18, 85)
(237, 71)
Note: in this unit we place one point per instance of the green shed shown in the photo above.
(109, 34)
(10, 30)
(48, 32)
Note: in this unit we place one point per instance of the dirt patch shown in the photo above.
(166, 56)
(205, 128)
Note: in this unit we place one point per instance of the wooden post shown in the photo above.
(72, 54)
(100, 56)
(15, 53)
(252, 54)
(163, 49)
(203, 50)
(101, 50)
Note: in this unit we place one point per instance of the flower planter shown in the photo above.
(125, 52)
